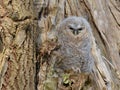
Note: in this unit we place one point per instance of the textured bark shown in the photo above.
(18, 67)
(17, 45)
(103, 16)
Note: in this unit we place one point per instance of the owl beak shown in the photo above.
(75, 32)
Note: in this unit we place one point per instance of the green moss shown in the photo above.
(66, 79)
(50, 84)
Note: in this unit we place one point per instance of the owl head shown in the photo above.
(74, 28)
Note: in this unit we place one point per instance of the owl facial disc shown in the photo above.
(75, 30)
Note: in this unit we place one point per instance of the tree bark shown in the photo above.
(103, 17)
(21, 63)
(17, 45)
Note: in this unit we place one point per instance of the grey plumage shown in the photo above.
(74, 37)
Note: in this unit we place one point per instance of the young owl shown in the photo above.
(74, 38)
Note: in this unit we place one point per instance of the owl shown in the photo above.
(74, 37)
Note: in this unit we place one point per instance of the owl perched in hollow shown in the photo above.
(74, 38)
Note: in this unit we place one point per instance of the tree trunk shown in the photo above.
(103, 17)
(17, 45)
(18, 24)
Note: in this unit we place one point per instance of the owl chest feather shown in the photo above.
(75, 46)
(76, 55)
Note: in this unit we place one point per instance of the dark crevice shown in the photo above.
(10, 2)
(1, 45)
(37, 68)
(67, 84)
(40, 13)
(44, 11)
(65, 13)
(119, 52)
(36, 74)
(58, 1)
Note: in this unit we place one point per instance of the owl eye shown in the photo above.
(80, 29)
(71, 28)
(76, 31)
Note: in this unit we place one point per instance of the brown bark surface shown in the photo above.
(18, 25)
(103, 16)
(17, 45)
